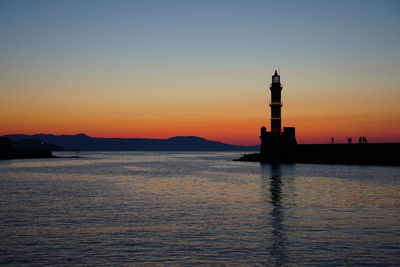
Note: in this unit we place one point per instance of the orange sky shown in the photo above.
(234, 118)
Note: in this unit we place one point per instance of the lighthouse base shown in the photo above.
(277, 142)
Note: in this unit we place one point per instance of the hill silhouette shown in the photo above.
(32, 144)
(178, 143)
(25, 148)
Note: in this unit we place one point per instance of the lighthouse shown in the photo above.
(276, 140)
(276, 103)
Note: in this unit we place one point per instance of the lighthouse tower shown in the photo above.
(276, 141)
(275, 103)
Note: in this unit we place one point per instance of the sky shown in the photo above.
(157, 69)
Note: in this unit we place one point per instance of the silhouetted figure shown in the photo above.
(364, 140)
(333, 140)
(361, 140)
(349, 140)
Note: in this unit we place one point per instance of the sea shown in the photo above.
(195, 208)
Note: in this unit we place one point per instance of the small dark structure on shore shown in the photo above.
(279, 146)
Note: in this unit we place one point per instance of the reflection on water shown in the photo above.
(271, 177)
(124, 208)
(278, 248)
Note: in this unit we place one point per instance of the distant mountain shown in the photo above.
(30, 144)
(178, 143)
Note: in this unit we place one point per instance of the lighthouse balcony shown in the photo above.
(275, 103)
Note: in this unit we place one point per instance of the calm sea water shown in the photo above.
(125, 208)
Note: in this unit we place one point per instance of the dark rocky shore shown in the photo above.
(28, 155)
(359, 154)
(25, 149)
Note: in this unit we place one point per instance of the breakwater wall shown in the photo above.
(361, 154)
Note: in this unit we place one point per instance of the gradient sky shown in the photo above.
(164, 68)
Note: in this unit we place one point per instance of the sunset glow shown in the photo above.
(157, 69)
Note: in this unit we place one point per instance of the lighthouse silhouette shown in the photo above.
(276, 141)
(275, 103)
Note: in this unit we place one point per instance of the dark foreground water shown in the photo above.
(126, 208)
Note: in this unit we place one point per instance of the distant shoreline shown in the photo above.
(40, 154)
(34, 155)
(82, 142)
